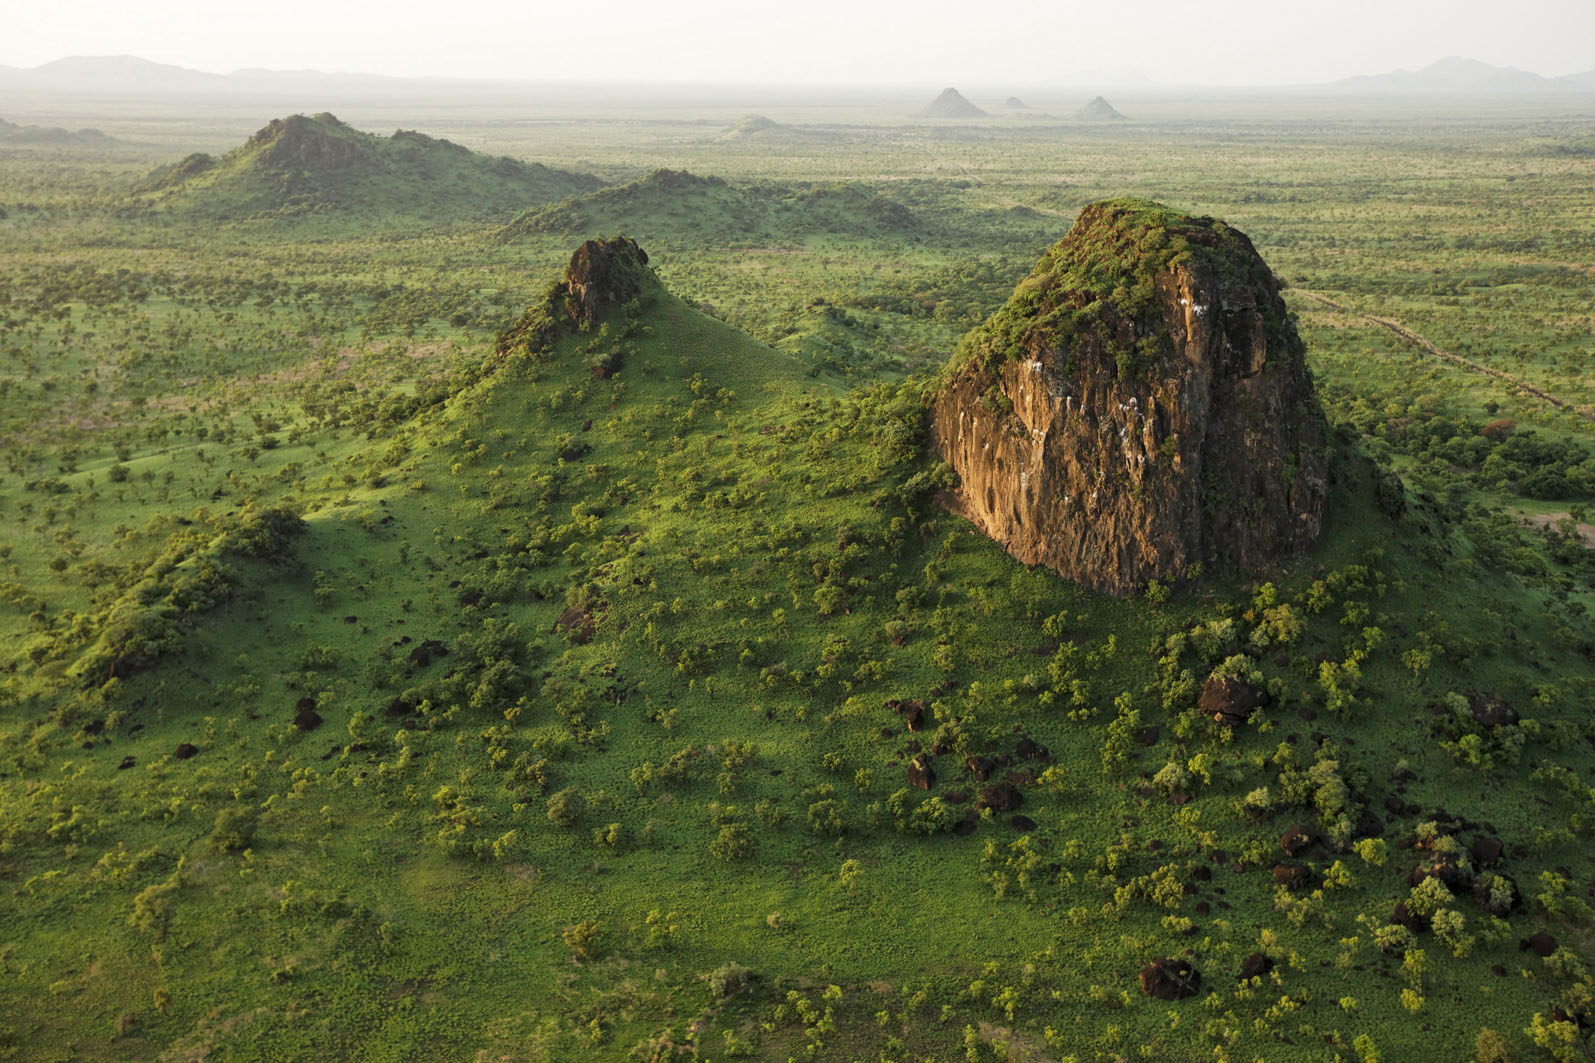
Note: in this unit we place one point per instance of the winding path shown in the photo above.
(1446, 356)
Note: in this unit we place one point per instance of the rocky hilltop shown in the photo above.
(1139, 406)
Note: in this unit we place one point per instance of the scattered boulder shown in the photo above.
(912, 710)
(127, 762)
(1029, 749)
(1170, 979)
(577, 624)
(1000, 797)
(1022, 822)
(1498, 894)
(422, 655)
(920, 774)
(1293, 876)
(1296, 840)
(1443, 867)
(1487, 851)
(1491, 710)
(1541, 944)
(185, 750)
(306, 718)
(955, 796)
(1255, 966)
(1401, 915)
(1230, 700)
(965, 827)
(980, 767)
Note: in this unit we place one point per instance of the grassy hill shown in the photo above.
(673, 208)
(574, 706)
(318, 166)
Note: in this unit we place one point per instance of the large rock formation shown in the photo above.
(1140, 405)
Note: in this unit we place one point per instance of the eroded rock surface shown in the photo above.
(1139, 406)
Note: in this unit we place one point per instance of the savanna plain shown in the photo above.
(397, 666)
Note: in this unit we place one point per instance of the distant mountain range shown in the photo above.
(122, 74)
(1456, 74)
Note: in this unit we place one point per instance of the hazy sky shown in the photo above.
(1021, 42)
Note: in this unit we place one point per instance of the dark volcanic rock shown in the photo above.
(1140, 405)
(1230, 700)
(1293, 876)
(1541, 944)
(920, 773)
(1401, 915)
(912, 710)
(423, 654)
(1170, 979)
(306, 718)
(1491, 710)
(1000, 797)
(185, 750)
(1255, 966)
(1487, 851)
(1295, 840)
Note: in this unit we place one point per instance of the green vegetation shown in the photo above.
(398, 663)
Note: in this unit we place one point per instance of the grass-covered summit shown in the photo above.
(1103, 276)
(304, 165)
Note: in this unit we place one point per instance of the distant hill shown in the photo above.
(52, 136)
(1015, 103)
(673, 207)
(751, 125)
(1453, 74)
(1098, 110)
(110, 73)
(318, 165)
(951, 104)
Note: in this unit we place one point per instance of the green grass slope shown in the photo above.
(573, 712)
(316, 165)
(673, 208)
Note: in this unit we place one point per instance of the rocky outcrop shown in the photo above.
(602, 274)
(1138, 407)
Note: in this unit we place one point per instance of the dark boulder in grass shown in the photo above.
(1541, 944)
(1487, 851)
(306, 718)
(1296, 840)
(185, 750)
(1491, 710)
(1000, 797)
(1170, 979)
(1231, 700)
(1293, 876)
(1255, 966)
(920, 774)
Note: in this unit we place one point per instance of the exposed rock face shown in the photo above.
(603, 273)
(1139, 406)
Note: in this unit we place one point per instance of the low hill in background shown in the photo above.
(951, 104)
(303, 165)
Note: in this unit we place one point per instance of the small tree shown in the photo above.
(567, 808)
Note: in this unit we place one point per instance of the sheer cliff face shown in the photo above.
(1139, 406)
